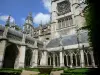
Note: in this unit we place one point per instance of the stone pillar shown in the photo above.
(76, 59)
(71, 60)
(60, 24)
(61, 59)
(92, 58)
(5, 32)
(68, 22)
(50, 60)
(57, 61)
(82, 58)
(67, 60)
(43, 61)
(53, 60)
(2, 50)
(33, 57)
(21, 56)
(36, 57)
(3, 46)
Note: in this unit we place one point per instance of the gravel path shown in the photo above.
(29, 72)
(56, 72)
(36, 73)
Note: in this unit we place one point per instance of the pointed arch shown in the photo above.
(28, 57)
(10, 55)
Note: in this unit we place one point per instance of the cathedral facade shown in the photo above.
(59, 43)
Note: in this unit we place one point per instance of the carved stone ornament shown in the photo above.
(63, 7)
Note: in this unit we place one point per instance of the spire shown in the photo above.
(29, 17)
(8, 21)
(30, 14)
(41, 23)
(40, 26)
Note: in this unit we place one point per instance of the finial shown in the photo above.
(8, 21)
(30, 13)
(9, 17)
(41, 23)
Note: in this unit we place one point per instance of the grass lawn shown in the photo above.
(78, 71)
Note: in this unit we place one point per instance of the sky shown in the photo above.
(19, 9)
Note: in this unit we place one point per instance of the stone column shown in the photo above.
(53, 60)
(71, 60)
(87, 59)
(50, 60)
(68, 22)
(57, 61)
(3, 46)
(67, 60)
(35, 57)
(61, 23)
(81, 58)
(65, 22)
(92, 58)
(76, 59)
(43, 61)
(21, 56)
(61, 59)
(2, 50)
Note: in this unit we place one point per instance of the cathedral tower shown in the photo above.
(28, 26)
(66, 17)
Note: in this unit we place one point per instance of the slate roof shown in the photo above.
(69, 40)
(15, 32)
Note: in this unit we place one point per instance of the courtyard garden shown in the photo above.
(65, 71)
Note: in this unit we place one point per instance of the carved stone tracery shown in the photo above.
(63, 7)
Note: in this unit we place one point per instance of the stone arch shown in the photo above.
(39, 56)
(49, 59)
(56, 59)
(28, 57)
(69, 60)
(74, 59)
(66, 58)
(10, 55)
(89, 59)
(78, 59)
(86, 59)
(65, 61)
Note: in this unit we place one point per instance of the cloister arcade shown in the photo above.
(72, 58)
(18, 50)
